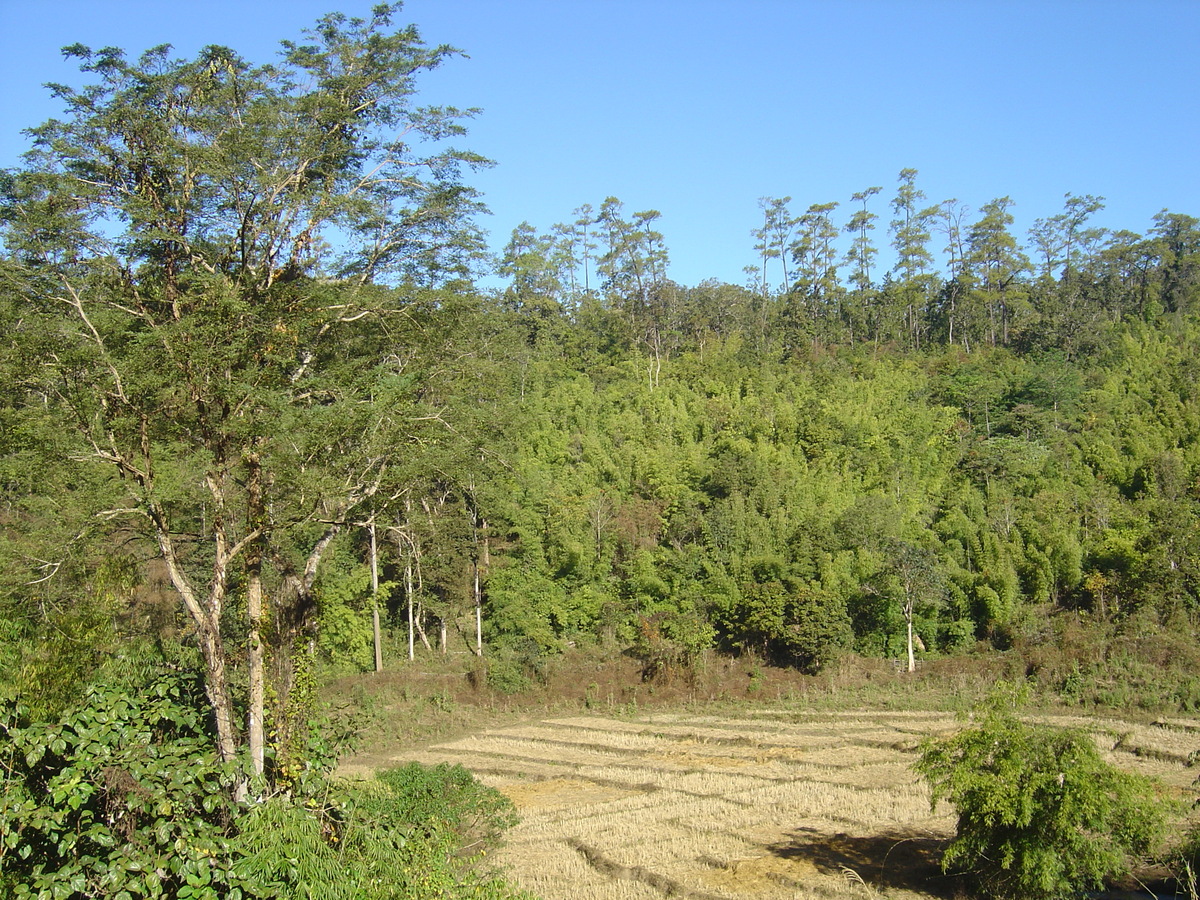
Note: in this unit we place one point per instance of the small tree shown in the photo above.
(914, 571)
(1040, 814)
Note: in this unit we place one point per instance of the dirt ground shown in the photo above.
(736, 798)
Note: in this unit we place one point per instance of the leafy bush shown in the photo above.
(525, 603)
(412, 832)
(344, 621)
(1040, 814)
(446, 798)
(670, 641)
(344, 602)
(794, 624)
(507, 669)
(1185, 862)
(123, 797)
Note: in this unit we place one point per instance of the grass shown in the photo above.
(698, 811)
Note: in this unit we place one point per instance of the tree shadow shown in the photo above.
(898, 859)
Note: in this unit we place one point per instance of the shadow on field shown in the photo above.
(894, 860)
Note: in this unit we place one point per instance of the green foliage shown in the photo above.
(667, 641)
(798, 624)
(121, 797)
(510, 667)
(124, 797)
(343, 595)
(227, 384)
(223, 377)
(344, 620)
(414, 832)
(525, 603)
(1040, 814)
(447, 798)
(1185, 861)
(55, 659)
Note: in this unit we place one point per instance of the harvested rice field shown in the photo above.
(757, 803)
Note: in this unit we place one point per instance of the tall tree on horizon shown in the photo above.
(910, 238)
(996, 264)
(862, 251)
(775, 237)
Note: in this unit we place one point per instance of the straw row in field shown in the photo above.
(696, 806)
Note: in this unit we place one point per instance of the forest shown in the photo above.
(262, 423)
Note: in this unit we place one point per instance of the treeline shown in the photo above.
(959, 278)
(799, 504)
(831, 465)
(678, 476)
(663, 469)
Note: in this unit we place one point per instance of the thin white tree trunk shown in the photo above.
(207, 619)
(417, 620)
(255, 660)
(255, 663)
(912, 659)
(478, 615)
(408, 589)
(375, 632)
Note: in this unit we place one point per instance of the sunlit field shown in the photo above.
(754, 802)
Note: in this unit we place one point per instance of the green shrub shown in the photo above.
(670, 641)
(413, 832)
(344, 630)
(512, 668)
(447, 799)
(1040, 814)
(795, 624)
(123, 798)
(1185, 862)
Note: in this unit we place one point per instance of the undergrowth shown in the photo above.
(123, 797)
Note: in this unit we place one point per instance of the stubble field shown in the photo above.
(748, 802)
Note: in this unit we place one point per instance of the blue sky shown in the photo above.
(697, 108)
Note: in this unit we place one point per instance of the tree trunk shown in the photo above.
(908, 623)
(417, 620)
(294, 606)
(478, 616)
(408, 590)
(207, 620)
(375, 632)
(254, 614)
(216, 686)
(255, 666)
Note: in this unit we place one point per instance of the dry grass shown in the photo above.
(786, 786)
(761, 802)
(706, 806)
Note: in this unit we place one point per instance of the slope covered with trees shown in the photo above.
(231, 381)
(932, 459)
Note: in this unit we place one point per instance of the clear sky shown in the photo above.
(697, 108)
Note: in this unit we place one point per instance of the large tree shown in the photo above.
(910, 238)
(201, 248)
(995, 264)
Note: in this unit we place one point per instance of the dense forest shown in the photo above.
(244, 425)
(260, 420)
(828, 464)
